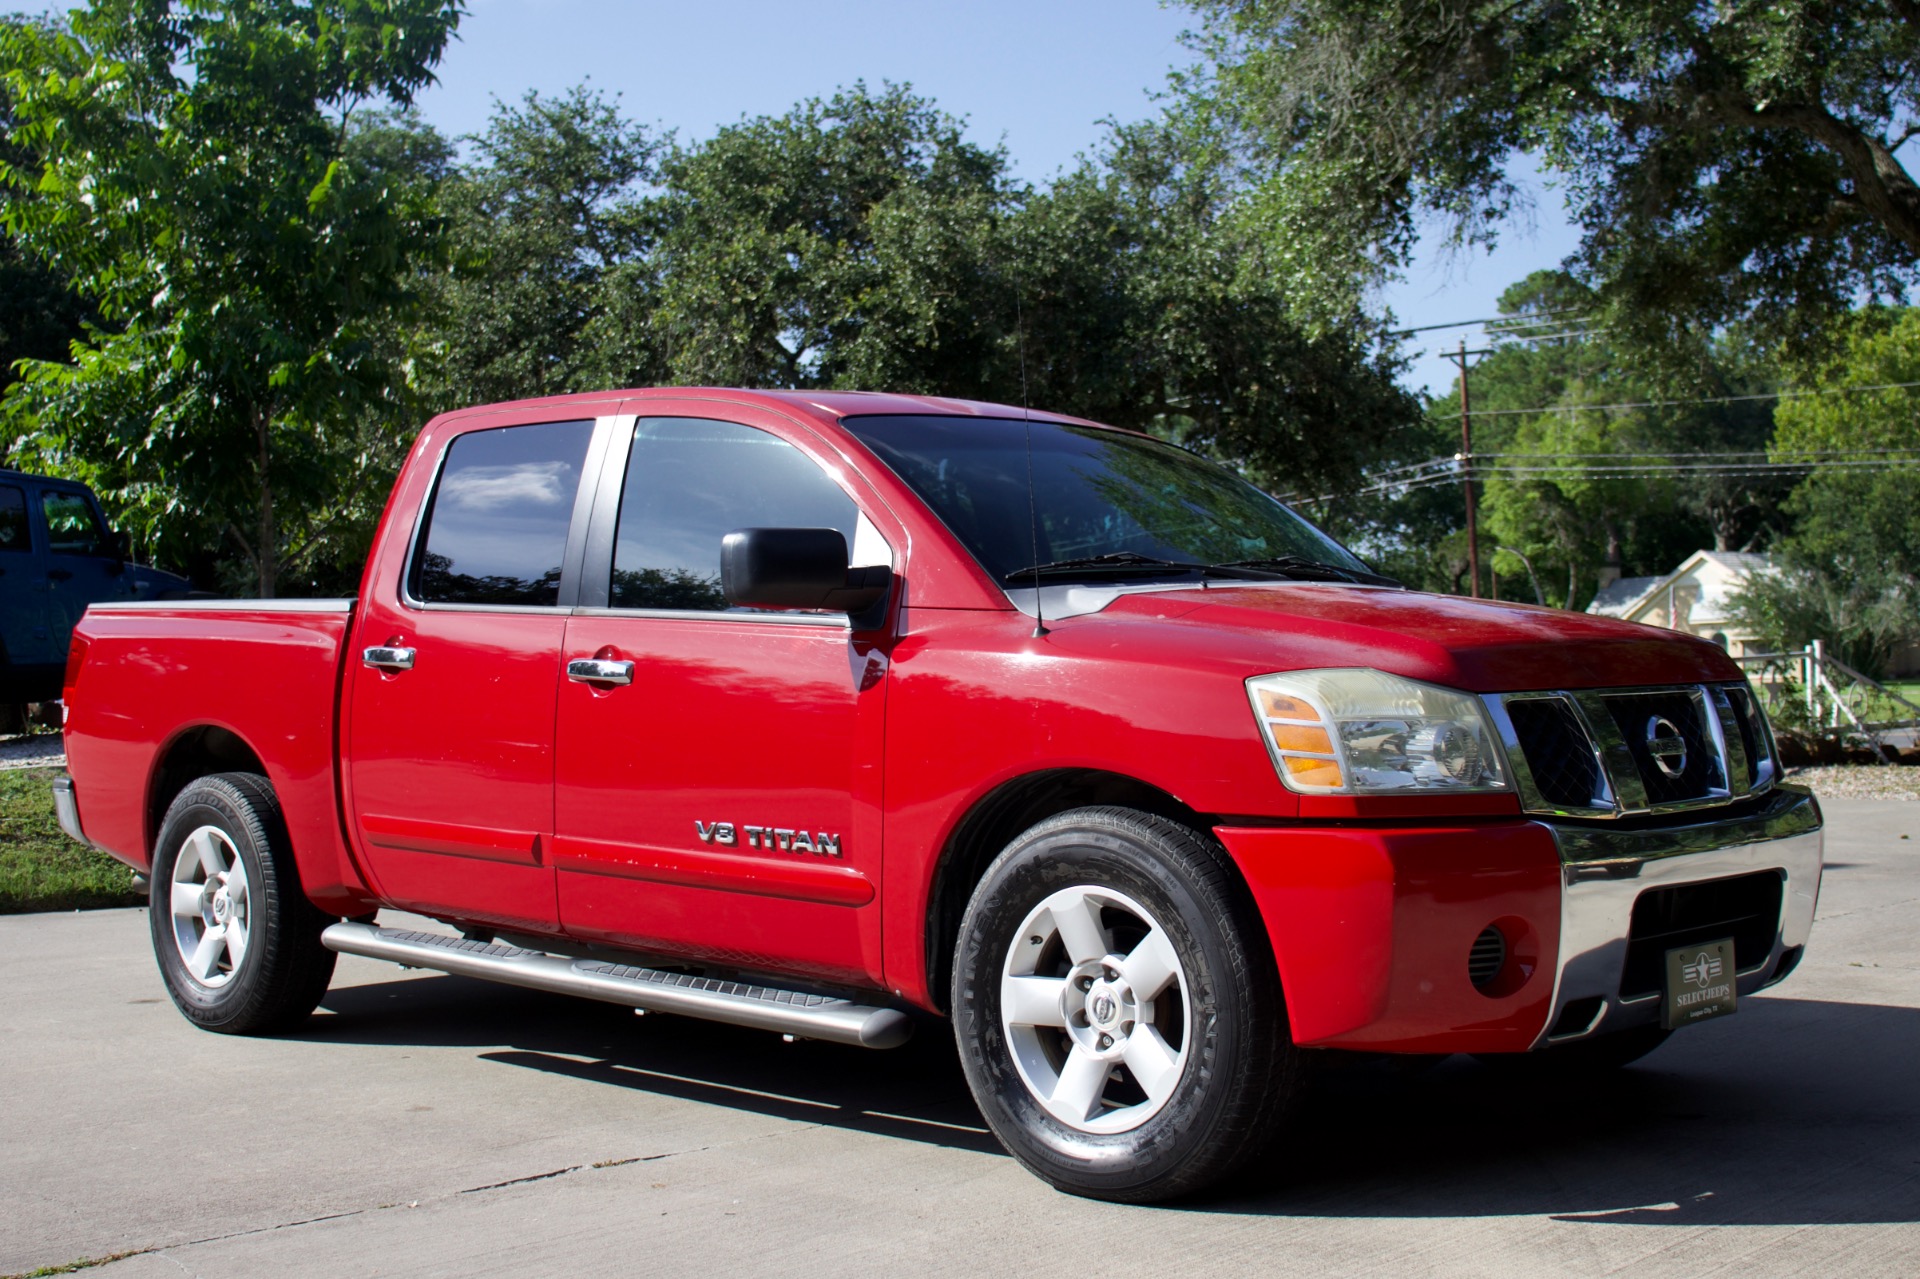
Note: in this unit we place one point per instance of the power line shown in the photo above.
(1717, 399)
(1467, 324)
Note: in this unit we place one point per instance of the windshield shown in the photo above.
(1096, 494)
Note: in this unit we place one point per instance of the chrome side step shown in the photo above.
(789, 1012)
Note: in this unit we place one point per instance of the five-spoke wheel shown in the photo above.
(210, 908)
(1117, 1008)
(238, 942)
(1095, 1007)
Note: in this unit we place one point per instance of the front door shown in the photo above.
(718, 798)
(82, 568)
(450, 736)
(25, 637)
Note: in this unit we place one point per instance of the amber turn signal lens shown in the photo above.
(1280, 706)
(1301, 737)
(1313, 772)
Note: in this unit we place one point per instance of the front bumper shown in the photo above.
(1372, 926)
(1605, 872)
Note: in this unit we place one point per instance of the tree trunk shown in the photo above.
(266, 544)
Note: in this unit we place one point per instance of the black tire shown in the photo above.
(1585, 1058)
(282, 970)
(1239, 1068)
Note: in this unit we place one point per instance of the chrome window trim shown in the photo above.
(224, 606)
(570, 556)
(716, 615)
(1731, 776)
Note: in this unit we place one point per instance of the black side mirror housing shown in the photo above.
(800, 568)
(119, 547)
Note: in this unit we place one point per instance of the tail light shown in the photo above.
(76, 654)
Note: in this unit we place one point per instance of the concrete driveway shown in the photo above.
(429, 1125)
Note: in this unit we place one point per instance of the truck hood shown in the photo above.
(1479, 645)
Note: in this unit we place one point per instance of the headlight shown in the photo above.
(1356, 731)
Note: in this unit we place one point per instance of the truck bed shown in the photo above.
(168, 684)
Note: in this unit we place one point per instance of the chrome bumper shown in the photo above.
(66, 809)
(1605, 871)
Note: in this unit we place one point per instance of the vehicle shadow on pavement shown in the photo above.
(1794, 1112)
(915, 1092)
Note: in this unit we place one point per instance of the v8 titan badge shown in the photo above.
(1699, 984)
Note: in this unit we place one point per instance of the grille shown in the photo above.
(1488, 955)
(1634, 713)
(1746, 716)
(1557, 751)
(1745, 908)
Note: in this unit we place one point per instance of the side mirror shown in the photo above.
(119, 546)
(796, 568)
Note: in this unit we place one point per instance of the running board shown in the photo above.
(789, 1012)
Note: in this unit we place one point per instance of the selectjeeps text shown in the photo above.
(806, 712)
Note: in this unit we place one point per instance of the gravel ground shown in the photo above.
(1860, 781)
(32, 750)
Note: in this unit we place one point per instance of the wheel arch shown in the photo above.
(997, 817)
(191, 754)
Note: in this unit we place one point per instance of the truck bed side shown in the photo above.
(165, 692)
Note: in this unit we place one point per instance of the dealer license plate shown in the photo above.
(1699, 984)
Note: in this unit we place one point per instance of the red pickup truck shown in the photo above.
(822, 713)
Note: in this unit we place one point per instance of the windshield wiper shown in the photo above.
(1117, 562)
(1302, 568)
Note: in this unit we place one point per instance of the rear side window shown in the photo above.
(72, 528)
(496, 529)
(13, 519)
(689, 483)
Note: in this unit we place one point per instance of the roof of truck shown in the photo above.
(828, 404)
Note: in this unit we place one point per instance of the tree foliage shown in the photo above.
(1552, 442)
(188, 166)
(1723, 161)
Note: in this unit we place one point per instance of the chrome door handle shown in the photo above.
(382, 658)
(594, 670)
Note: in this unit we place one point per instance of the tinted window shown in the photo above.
(71, 526)
(1095, 492)
(497, 528)
(13, 520)
(691, 482)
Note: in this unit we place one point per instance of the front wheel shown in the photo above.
(1118, 1010)
(238, 942)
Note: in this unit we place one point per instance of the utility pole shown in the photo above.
(1466, 463)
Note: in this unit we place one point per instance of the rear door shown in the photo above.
(456, 659)
(725, 803)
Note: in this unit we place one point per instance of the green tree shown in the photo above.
(1570, 478)
(189, 167)
(550, 292)
(1724, 161)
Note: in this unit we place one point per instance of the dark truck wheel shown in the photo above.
(238, 943)
(1118, 1011)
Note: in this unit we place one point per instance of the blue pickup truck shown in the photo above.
(57, 556)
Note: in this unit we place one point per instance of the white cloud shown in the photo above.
(485, 490)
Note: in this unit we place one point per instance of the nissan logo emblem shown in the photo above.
(1666, 746)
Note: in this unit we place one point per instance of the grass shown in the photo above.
(40, 868)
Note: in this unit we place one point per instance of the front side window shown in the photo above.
(13, 519)
(72, 527)
(689, 483)
(496, 528)
(1094, 493)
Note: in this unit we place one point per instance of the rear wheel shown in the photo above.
(1118, 1010)
(237, 941)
